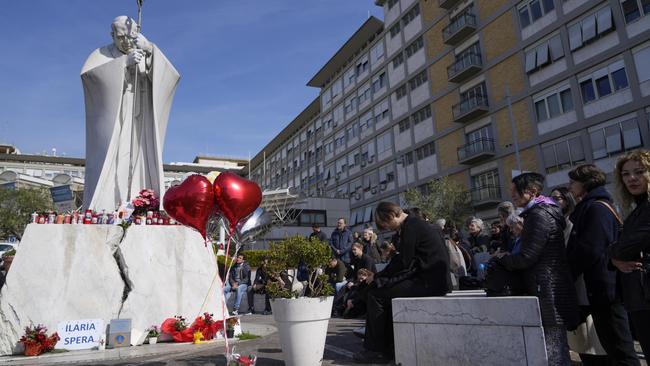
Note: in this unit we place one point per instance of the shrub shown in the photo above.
(287, 255)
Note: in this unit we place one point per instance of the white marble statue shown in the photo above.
(124, 142)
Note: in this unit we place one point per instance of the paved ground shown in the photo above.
(340, 346)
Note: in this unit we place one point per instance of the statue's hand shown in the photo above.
(143, 43)
(134, 57)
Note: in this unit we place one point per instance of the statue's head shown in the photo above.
(124, 30)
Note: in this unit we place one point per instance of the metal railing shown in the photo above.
(464, 62)
(457, 23)
(476, 147)
(468, 104)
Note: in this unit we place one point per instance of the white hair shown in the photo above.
(441, 223)
(475, 220)
(514, 219)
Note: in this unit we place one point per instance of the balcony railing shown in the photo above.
(476, 150)
(466, 66)
(459, 27)
(447, 4)
(486, 195)
(470, 108)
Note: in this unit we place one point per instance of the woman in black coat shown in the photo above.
(542, 262)
(595, 228)
(631, 253)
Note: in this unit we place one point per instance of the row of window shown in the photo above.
(531, 11)
(605, 141)
(598, 84)
(414, 119)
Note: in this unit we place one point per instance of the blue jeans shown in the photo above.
(340, 285)
(241, 291)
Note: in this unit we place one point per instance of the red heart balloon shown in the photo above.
(191, 202)
(236, 197)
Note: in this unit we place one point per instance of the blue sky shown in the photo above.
(243, 64)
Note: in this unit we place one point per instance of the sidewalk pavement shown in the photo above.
(340, 346)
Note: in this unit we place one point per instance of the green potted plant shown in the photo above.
(154, 333)
(301, 309)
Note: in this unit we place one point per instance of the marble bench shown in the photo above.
(467, 328)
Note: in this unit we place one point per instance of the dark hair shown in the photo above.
(357, 245)
(385, 212)
(315, 226)
(241, 254)
(416, 212)
(344, 220)
(589, 175)
(495, 223)
(568, 198)
(527, 181)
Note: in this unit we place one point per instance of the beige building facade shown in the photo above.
(475, 90)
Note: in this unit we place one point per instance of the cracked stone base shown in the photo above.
(68, 272)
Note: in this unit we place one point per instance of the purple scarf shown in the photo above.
(540, 199)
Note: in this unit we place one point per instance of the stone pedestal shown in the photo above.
(470, 330)
(68, 272)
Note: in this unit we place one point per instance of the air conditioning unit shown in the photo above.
(374, 190)
(363, 164)
(338, 176)
(357, 196)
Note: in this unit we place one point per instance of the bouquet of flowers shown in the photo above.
(207, 325)
(146, 201)
(177, 328)
(36, 340)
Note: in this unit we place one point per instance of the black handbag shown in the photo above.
(501, 282)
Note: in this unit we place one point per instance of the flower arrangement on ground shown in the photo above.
(207, 326)
(36, 340)
(154, 332)
(178, 329)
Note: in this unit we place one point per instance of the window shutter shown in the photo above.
(575, 36)
(589, 28)
(604, 20)
(542, 54)
(555, 45)
(530, 60)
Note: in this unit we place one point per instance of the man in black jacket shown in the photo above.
(361, 260)
(595, 228)
(317, 233)
(420, 269)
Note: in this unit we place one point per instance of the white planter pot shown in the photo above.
(153, 340)
(302, 324)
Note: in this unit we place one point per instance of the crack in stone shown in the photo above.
(124, 273)
(444, 315)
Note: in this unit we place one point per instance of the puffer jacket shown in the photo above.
(542, 261)
(634, 239)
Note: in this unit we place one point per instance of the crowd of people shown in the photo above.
(587, 264)
(571, 248)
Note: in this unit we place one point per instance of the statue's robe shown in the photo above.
(116, 137)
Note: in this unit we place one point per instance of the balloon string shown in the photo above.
(224, 307)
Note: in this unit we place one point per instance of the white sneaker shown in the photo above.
(234, 312)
